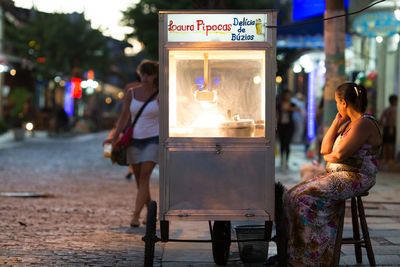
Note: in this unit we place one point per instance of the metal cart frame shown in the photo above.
(179, 153)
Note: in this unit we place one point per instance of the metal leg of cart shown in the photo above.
(221, 241)
(281, 231)
(281, 244)
(268, 231)
(150, 238)
(164, 231)
(280, 237)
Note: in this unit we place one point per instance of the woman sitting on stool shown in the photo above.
(312, 207)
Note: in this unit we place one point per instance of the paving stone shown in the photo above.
(391, 260)
(381, 232)
(187, 252)
(394, 240)
(380, 220)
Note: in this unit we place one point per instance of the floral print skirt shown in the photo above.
(312, 211)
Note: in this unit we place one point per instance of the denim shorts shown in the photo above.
(142, 150)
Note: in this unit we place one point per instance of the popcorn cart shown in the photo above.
(217, 123)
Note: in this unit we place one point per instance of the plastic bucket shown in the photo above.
(252, 251)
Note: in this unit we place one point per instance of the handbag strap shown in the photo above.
(142, 108)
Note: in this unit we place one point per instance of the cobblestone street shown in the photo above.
(85, 218)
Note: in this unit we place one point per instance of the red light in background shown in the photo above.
(41, 60)
(76, 89)
(90, 75)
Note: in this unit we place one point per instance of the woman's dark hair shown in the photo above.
(355, 95)
(148, 67)
(284, 93)
(392, 99)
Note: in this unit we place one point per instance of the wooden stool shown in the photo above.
(356, 204)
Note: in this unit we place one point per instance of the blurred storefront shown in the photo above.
(305, 76)
(63, 101)
(374, 58)
(372, 53)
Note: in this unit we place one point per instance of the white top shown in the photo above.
(147, 124)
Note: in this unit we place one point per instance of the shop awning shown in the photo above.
(304, 36)
(304, 41)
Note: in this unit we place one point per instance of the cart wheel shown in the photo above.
(221, 241)
(150, 237)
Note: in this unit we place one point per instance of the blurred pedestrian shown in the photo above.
(143, 151)
(285, 126)
(299, 119)
(388, 122)
(62, 119)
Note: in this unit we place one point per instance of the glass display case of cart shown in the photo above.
(217, 93)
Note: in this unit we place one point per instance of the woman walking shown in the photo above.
(142, 154)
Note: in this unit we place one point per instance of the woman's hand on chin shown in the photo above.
(340, 120)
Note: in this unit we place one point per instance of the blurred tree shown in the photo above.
(142, 17)
(18, 97)
(59, 43)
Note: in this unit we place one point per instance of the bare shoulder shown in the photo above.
(368, 126)
(133, 90)
(132, 86)
(362, 126)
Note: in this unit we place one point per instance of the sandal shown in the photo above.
(128, 175)
(135, 223)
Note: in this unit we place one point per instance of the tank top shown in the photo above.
(147, 124)
(364, 160)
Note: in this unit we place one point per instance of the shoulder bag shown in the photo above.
(118, 153)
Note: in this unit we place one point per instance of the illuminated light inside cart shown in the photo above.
(172, 91)
(209, 121)
(262, 92)
(216, 94)
(200, 82)
(204, 93)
